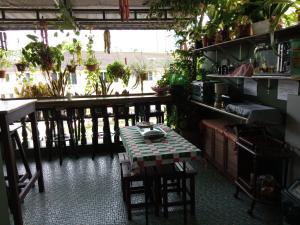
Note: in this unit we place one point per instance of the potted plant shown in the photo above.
(162, 85)
(140, 72)
(4, 62)
(118, 70)
(74, 49)
(21, 64)
(91, 63)
(244, 28)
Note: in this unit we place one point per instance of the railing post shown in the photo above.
(24, 133)
(95, 126)
(116, 124)
(106, 128)
(48, 131)
(83, 131)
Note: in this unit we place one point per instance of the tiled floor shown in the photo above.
(87, 192)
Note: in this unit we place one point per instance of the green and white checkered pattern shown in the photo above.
(172, 149)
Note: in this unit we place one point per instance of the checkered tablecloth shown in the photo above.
(172, 149)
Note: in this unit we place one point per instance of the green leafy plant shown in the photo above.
(50, 60)
(118, 70)
(4, 59)
(91, 62)
(140, 72)
(74, 48)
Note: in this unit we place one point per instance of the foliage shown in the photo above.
(4, 59)
(50, 60)
(97, 84)
(91, 55)
(74, 48)
(118, 70)
(65, 15)
(29, 90)
(140, 72)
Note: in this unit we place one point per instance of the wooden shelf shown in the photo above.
(253, 77)
(281, 35)
(219, 110)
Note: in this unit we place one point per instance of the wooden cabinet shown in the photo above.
(220, 147)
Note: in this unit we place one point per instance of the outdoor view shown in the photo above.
(131, 60)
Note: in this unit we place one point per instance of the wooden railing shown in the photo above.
(81, 114)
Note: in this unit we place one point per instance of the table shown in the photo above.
(10, 112)
(173, 148)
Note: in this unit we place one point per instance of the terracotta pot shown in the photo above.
(225, 34)
(91, 68)
(218, 37)
(160, 90)
(245, 30)
(71, 68)
(205, 41)
(2, 73)
(21, 67)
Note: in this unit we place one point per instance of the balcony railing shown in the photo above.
(91, 122)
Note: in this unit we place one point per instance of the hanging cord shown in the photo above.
(44, 32)
(3, 40)
(107, 41)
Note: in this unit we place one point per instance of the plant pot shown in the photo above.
(218, 37)
(21, 67)
(2, 73)
(225, 34)
(160, 91)
(244, 30)
(91, 68)
(71, 68)
(205, 41)
(261, 27)
(198, 44)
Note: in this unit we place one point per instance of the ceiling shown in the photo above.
(98, 14)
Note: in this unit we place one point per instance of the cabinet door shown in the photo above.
(209, 142)
(220, 142)
(231, 159)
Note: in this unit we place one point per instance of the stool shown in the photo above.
(128, 177)
(16, 138)
(180, 172)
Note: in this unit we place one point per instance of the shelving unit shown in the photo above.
(253, 77)
(284, 34)
(223, 111)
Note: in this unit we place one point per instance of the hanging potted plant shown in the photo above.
(91, 63)
(21, 64)
(140, 72)
(4, 62)
(118, 70)
(74, 49)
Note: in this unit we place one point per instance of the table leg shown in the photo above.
(146, 194)
(10, 161)
(184, 192)
(37, 154)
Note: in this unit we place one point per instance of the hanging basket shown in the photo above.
(21, 67)
(91, 68)
(71, 68)
(2, 73)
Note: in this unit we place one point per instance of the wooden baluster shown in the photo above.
(169, 112)
(116, 125)
(159, 117)
(147, 112)
(137, 113)
(83, 131)
(70, 113)
(24, 133)
(106, 127)
(48, 131)
(95, 130)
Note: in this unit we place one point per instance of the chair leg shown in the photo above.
(22, 153)
(192, 194)
(165, 197)
(128, 199)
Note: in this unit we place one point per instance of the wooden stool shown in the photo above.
(128, 177)
(179, 172)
